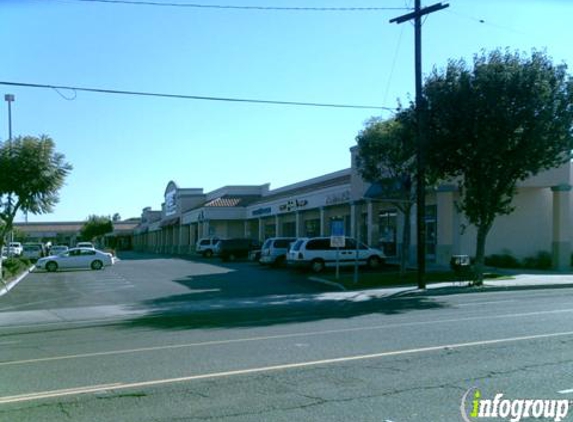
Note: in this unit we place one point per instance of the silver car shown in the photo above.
(76, 258)
(274, 250)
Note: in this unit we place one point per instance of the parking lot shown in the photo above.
(144, 281)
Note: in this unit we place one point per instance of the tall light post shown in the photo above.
(9, 98)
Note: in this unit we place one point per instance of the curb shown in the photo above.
(328, 283)
(7, 287)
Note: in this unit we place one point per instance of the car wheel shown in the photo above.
(208, 253)
(51, 266)
(317, 266)
(374, 262)
(97, 265)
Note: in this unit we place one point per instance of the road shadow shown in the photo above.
(177, 313)
(245, 294)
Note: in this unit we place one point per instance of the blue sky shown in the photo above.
(126, 149)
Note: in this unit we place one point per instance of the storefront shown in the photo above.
(541, 221)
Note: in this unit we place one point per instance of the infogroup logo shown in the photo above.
(475, 407)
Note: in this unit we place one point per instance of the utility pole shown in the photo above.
(9, 98)
(420, 144)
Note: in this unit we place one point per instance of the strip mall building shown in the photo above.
(541, 220)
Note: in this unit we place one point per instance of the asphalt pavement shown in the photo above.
(291, 351)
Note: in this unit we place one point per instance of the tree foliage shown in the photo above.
(386, 156)
(96, 226)
(491, 125)
(32, 175)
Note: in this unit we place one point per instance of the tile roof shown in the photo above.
(232, 201)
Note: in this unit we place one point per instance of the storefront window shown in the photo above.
(364, 228)
(312, 228)
(387, 222)
(431, 230)
(289, 229)
(270, 230)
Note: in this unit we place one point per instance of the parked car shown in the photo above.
(275, 249)
(76, 258)
(231, 249)
(15, 248)
(317, 254)
(255, 255)
(43, 249)
(58, 249)
(206, 246)
(85, 245)
(32, 252)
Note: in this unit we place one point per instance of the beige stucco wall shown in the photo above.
(522, 233)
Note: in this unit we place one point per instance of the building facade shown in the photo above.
(68, 233)
(541, 220)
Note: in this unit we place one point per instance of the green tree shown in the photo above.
(386, 156)
(95, 227)
(491, 125)
(32, 175)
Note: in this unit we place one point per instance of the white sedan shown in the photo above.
(76, 258)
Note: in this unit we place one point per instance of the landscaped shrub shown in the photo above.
(12, 267)
(503, 260)
(541, 261)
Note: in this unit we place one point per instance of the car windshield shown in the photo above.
(296, 246)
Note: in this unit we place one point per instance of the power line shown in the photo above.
(262, 8)
(194, 97)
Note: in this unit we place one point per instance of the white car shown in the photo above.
(274, 250)
(32, 252)
(206, 246)
(76, 258)
(15, 248)
(317, 254)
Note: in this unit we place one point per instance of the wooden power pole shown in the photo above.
(420, 144)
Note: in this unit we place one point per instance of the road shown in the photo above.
(288, 351)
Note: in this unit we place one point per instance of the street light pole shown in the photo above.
(9, 98)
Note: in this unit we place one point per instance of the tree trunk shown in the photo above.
(406, 233)
(480, 253)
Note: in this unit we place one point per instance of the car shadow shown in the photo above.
(209, 309)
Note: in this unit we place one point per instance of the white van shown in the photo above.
(317, 254)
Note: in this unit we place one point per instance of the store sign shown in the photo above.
(293, 205)
(171, 202)
(261, 211)
(338, 198)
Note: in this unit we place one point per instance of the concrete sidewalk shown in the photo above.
(5, 288)
(523, 281)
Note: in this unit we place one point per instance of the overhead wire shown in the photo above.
(243, 7)
(75, 89)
